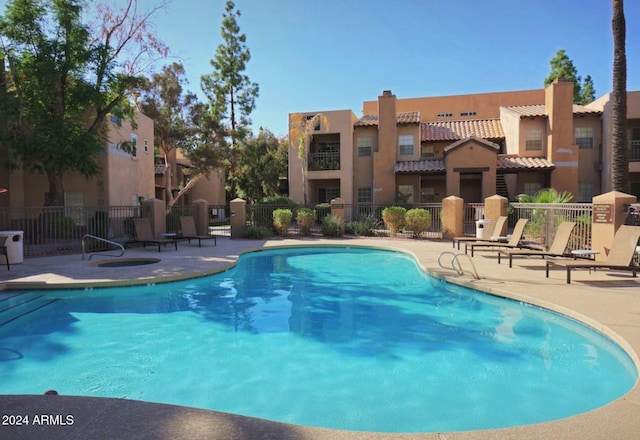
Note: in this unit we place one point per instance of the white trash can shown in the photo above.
(484, 229)
(15, 246)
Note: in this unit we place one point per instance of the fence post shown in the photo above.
(337, 208)
(201, 210)
(495, 206)
(452, 217)
(608, 216)
(238, 209)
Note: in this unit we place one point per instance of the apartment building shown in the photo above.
(420, 150)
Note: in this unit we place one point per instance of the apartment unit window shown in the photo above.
(585, 192)
(467, 113)
(364, 146)
(533, 139)
(146, 146)
(134, 145)
(428, 151)
(531, 188)
(316, 127)
(73, 202)
(444, 115)
(364, 195)
(405, 143)
(428, 195)
(634, 145)
(116, 120)
(405, 193)
(584, 137)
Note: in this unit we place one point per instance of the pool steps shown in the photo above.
(16, 306)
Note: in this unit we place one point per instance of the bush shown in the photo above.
(278, 201)
(306, 218)
(417, 221)
(332, 226)
(393, 218)
(322, 210)
(281, 220)
(63, 227)
(256, 232)
(366, 226)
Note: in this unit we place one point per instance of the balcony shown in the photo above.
(634, 151)
(324, 161)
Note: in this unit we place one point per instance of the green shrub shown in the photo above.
(63, 227)
(278, 201)
(393, 217)
(256, 232)
(281, 220)
(322, 210)
(306, 218)
(366, 226)
(332, 226)
(417, 220)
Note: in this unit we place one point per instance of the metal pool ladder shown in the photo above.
(455, 263)
(103, 240)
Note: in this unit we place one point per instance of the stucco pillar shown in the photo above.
(452, 217)
(155, 211)
(608, 216)
(337, 208)
(238, 217)
(201, 208)
(494, 207)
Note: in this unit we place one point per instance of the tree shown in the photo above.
(620, 154)
(64, 79)
(261, 166)
(230, 92)
(562, 67)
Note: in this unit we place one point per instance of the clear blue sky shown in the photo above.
(313, 55)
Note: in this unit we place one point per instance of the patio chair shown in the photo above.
(144, 235)
(515, 241)
(499, 230)
(188, 227)
(4, 251)
(558, 247)
(620, 255)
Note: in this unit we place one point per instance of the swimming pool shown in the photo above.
(335, 337)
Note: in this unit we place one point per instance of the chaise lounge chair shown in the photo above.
(514, 240)
(144, 235)
(188, 227)
(499, 230)
(620, 255)
(557, 249)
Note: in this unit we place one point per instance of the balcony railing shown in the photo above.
(324, 161)
(634, 151)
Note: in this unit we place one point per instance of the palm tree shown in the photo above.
(620, 154)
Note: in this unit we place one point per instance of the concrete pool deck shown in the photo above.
(607, 300)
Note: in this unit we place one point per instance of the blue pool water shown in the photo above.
(335, 337)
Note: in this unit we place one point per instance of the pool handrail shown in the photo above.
(454, 262)
(85, 236)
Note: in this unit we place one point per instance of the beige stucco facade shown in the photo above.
(470, 146)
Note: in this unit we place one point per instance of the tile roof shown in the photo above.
(508, 162)
(539, 110)
(504, 162)
(401, 118)
(455, 130)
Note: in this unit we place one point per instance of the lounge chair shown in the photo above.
(620, 255)
(188, 227)
(144, 235)
(557, 249)
(4, 251)
(499, 230)
(515, 241)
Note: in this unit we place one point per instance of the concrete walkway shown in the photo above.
(606, 300)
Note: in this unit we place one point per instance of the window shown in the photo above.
(428, 151)
(533, 139)
(364, 146)
(585, 192)
(405, 193)
(316, 126)
(467, 113)
(532, 188)
(584, 137)
(444, 115)
(428, 195)
(325, 195)
(364, 195)
(134, 145)
(405, 143)
(116, 120)
(146, 146)
(73, 203)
